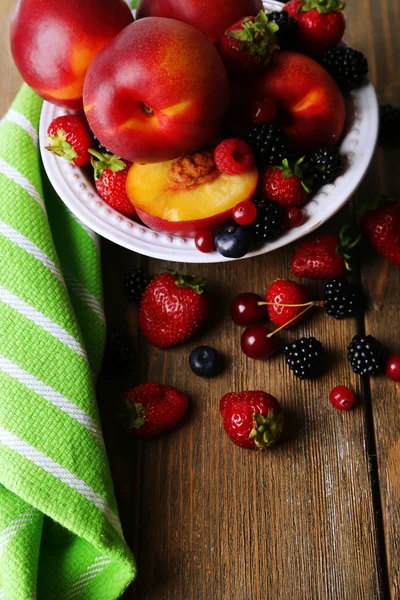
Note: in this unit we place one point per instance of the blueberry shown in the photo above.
(205, 361)
(233, 241)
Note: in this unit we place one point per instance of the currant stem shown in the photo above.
(319, 303)
(291, 320)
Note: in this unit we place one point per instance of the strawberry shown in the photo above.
(382, 227)
(69, 136)
(321, 24)
(324, 256)
(283, 292)
(284, 184)
(172, 309)
(152, 408)
(246, 46)
(110, 173)
(252, 420)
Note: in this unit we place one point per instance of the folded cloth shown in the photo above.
(60, 533)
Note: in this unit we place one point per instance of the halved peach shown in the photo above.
(167, 200)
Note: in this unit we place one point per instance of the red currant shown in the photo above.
(256, 344)
(294, 217)
(204, 242)
(341, 397)
(393, 367)
(245, 310)
(245, 213)
(263, 111)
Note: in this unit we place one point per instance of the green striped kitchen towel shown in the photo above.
(60, 534)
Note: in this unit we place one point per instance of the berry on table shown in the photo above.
(381, 225)
(348, 67)
(366, 355)
(285, 184)
(205, 361)
(269, 143)
(247, 45)
(269, 222)
(245, 213)
(233, 156)
(305, 357)
(134, 284)
(263, 111)
(392, 369)
(152, 409)
(287, 302)
(294, 217)
(232, 241)
(341, 397)
(389, 123)
(204, 242)
(252, 419)
(246, 310)
(256, 343)
(288, 32)
(69, 136)
(342, 299)
(324, 165)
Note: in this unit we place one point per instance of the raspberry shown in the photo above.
(233, 157)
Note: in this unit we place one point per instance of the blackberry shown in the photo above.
(119, 357)
(269, 144)
(366, 355)
(347, 66)
(269, 221)
(342, 299)
(288, 32)
(134, 284)
(324, 165)
(304, 357)
(389, 128)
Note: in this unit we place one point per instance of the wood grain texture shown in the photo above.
(306, 520)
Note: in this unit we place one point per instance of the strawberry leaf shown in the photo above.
(256, 38)
(266, 430)
(102, 160)
(322, 6)
(188, 281)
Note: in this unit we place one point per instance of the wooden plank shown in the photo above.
(382, 281)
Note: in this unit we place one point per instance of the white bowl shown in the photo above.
(76, 188)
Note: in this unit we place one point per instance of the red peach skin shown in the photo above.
(54, 41)
(310, 106)
(158, 91)
(212, 17)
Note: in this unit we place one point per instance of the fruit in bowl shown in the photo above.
(54, 41)
(188, 195)
(212, 17)
(158, 91)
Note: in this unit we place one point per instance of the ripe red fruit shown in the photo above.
(246, 46)
(382, 227)
(245, 213)
(393, 367)
(321, 24)
(204, 242)
(284, 184)
(294, 217)
(69, 136)
(283, 291)
(233, 157)
(172, 309)
(246, 311)
(252, 420)
(153, 408)
(323, 256)
(341, 397)
(263, 111)
(255, 343)
(110, 173)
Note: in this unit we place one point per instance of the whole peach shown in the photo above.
(212, 17)
(158, 91)
(54, 41)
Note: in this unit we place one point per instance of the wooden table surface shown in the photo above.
(317, 517)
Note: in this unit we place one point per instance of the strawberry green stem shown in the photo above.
(188, 281)
(322, 6)
(266, 430)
